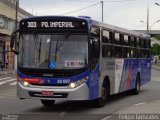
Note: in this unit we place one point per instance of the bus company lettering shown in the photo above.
(57, 25)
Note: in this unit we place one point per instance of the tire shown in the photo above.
(48, 103)
(136, 90)
(100, 102)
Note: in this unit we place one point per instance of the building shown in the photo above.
(7, 26)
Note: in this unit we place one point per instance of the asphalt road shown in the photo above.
(12, 107)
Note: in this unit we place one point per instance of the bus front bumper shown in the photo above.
(60, 93)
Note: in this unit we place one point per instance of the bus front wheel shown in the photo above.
(48, 103)
(100, 102)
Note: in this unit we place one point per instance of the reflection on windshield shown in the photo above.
(53, 51)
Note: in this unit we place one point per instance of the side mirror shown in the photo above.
(13, 42)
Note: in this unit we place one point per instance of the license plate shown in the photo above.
(48, 93)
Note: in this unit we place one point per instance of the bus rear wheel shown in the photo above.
(136, 90)
(48, 103)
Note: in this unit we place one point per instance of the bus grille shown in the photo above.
(47, 73)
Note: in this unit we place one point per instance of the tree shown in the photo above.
(156, 49)
(156, 37)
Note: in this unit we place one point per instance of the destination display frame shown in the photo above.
(53, 24)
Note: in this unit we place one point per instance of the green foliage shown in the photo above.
(156, 49)
(157, 37)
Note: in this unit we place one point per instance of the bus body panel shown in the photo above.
(94, 84)
(122, 73)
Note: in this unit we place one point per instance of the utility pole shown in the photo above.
(16, 26)
(148, 18)
(16, 15)
(102, 10)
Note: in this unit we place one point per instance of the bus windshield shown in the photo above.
(53, 51)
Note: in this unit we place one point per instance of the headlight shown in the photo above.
(78, 83)
(24, 83)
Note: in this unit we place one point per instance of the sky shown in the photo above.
(123, 13)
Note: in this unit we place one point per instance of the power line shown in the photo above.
(82, 8)
(102, 0)
(119, 0)
(93, 4)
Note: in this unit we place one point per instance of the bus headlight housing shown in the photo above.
(28, 81)
(24, 83)
(73, 85)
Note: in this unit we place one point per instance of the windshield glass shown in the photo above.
(53, 51)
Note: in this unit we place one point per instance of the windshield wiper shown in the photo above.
(38, 46)
(61, 45)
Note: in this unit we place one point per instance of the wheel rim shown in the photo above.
(138, 86)
(104, 93)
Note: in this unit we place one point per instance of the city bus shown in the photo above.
(77, 58)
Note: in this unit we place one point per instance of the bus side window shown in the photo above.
(132, 41)
(138, 53)
(148, 53)
(117, 51)
(116, 38)
(135, 42)
(95, 32)
(133, 53)
(107, 51)
(126, 52)
(147, 43)
(138, 43)
(106, 38)
(141, 43)
(126, 40)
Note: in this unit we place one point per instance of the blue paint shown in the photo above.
(93, 83)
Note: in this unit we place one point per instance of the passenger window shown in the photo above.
(132, 42)
(126, 52)
(126, 40)
(117, 38)
(106, 36)
(95, 32)
(148, 42)
(138, 42)
(142, 43)
(117, 51)
(107, 51)
(138, 53)
(133, 53)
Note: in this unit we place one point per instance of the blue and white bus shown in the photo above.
(77, 58)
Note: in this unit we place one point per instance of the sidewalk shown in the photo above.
(156, 67)
(7, 71)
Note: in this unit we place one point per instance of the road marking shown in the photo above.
(1, 83)
(106, 118)
(140, 103)
(5, 78)
(14, 83)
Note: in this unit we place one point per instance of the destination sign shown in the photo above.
(52, 24)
